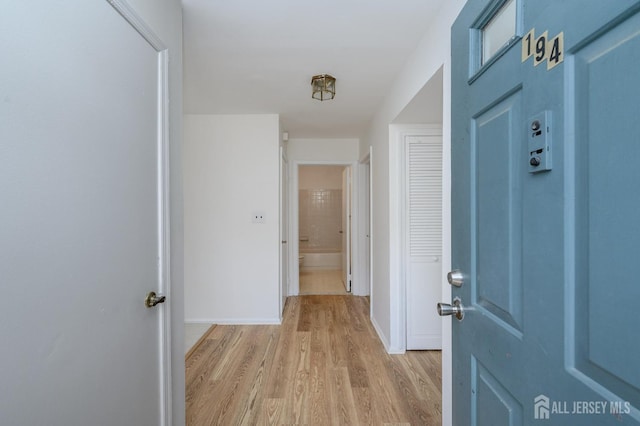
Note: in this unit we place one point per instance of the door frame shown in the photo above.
(294, 237)
(397, 292)
(397, 227)
(447, 354)
(164, 213)
(404, 131)
(347, 264)
(363, 262)
(285, 261)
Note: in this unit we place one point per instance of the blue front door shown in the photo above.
(546, 203)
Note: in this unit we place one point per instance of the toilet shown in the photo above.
(300, 261)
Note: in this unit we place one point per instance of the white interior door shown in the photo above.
(284, 229)
(81, 223)
(364, 182)
(366, 276)
(423, 239)
(346, 228)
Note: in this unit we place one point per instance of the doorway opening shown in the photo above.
(418, 218)
(324, 229)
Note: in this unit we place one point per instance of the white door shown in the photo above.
(346, 228)
(81, 223)
(284, 229)
(423, 239)
(367, 226)
(365, 218)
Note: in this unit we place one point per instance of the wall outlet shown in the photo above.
(258, 217)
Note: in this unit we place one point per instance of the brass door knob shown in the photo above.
(153, 299)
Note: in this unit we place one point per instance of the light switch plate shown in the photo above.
(258, 217)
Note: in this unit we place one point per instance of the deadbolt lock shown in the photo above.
(455, 278)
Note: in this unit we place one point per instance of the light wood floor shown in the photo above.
(322, 281)
(323, 366)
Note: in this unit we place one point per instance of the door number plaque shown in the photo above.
(542, 48)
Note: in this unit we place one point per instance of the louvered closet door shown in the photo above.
(423, 248)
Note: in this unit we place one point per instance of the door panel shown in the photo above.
(487, 220)
(493, 403)
(80, 224)
(606, 179)
(497, 141)
(548, 256)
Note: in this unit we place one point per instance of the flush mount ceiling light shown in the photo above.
(323, 87)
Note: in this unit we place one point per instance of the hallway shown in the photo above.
(324, 365)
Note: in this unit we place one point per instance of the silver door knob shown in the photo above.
(445, 309)
(153, 299)
(455, 278)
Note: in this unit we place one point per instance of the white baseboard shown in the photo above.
(426, 343)
(390, 350)
(320, 268)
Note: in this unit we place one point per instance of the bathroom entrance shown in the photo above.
(324, 229)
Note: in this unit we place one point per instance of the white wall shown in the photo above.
(320, 223)
(231, 169)
(433, 52)
(164, 17)
(320, 177)
(323, 150)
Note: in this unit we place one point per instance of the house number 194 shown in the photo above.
(543, 49)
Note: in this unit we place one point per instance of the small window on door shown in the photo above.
(498, 31)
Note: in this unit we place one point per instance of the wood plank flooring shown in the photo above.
(323, 366)
(322, 281)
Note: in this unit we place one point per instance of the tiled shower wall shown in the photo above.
(320, 219)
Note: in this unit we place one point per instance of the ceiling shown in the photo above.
(258, 56)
